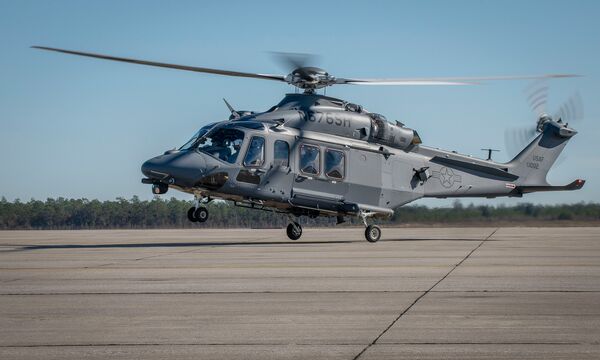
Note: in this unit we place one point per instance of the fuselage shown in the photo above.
(316, 155)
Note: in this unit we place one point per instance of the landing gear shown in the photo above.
(372, 233)
(197, 215)
(201, 214)
(294, 230)
(190, 214)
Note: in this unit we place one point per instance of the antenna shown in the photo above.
(234, 114)
(489, 158)
(228, 105)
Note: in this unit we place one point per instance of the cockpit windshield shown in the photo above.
(223, 143)
(192, 143)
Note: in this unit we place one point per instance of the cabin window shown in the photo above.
(310, 159)
(335, 164)
(255, 156)
(281, 153)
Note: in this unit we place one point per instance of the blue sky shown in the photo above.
(77, 127)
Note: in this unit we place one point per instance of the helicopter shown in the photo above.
(315, 155)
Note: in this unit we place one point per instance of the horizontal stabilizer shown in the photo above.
(575, 185)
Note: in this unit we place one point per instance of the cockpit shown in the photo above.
(221, 141)
(192, 143)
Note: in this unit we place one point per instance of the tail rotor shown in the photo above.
(571, 111)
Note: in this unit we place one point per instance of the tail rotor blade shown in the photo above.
(571, 110)
(517, 138)
(538, 97)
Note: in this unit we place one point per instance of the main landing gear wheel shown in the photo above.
(294, 231)
(372, 233)
(201, 214)
(190, 214)
(197, 215)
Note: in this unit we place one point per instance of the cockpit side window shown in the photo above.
(222, 143)
(193, 142)
(281, 151)
(334, 164)
(310, 157)
(188, 145)
(255, 156)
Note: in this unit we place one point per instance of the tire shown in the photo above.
(372, 233)
(294, 232)
(190, 214)
(201, 214)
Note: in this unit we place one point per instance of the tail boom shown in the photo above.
(455, 175)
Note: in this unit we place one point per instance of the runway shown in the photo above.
(463, 293)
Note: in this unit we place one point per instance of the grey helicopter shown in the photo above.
(315, 155)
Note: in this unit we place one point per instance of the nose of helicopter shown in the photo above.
(181, 168)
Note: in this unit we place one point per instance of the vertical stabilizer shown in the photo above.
(533, 163)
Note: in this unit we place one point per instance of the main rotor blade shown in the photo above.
(296, 62)
(291, 61)
(402, 82)
(446, 80)
(165, 65)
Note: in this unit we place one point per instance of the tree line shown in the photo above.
(134, 213)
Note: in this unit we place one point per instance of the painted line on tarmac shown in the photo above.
(423, 295)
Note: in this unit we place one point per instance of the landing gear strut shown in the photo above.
(372, 232)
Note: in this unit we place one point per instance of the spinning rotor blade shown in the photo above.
(445, 80)
(517, 138)
(296, 63)
(538, 96)
(402, 82)
(291, 61)
(308, 77)
(165, 65)
(571, 110)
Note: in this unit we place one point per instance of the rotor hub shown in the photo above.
(309, 78)
(542, 120)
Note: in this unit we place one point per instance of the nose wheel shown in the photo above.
(197, 214)
(294, 230)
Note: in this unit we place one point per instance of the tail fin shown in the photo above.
(533, 163)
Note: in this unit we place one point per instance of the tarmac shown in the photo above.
(427, 293)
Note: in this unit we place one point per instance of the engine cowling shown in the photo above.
(394, 135)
